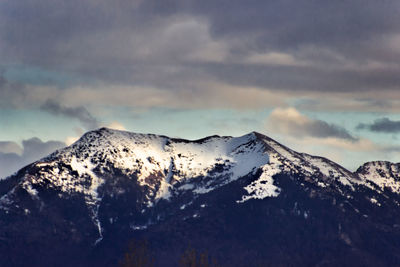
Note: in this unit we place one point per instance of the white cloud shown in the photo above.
(274, 58)
(116, 125)
(316, 137)
(361, 145)
(71, 139)
(347, 153)
(290, 121)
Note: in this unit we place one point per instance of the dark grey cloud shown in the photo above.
(34, 148)
(343, 46)
(12, 93)
(13, 157)
(323, 129)
(80, 113)
(303, 78)
(292, 122)
(383, 125)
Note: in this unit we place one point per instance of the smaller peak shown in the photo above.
(105, 130)
(378, 166)
(252, 136)
(94, 134)
(379, 163)
(98, 131)
(102, 131)
(202, 140)
(258, 135)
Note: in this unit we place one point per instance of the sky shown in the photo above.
(322, 77)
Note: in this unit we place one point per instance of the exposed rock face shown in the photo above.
(248, 201)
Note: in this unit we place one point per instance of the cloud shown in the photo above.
(289, 121)
(350, 154)
(185, 54)
(34, 148)
(295, 45)
(71, 139)
(317, 137)
(13, 157)
(383, 125)
(206, 94)
(349, 101)
(361, 145)
(273, 58)
(10, 147)
(116, 125)
(18, 95)
(80, 113)
(190, 55)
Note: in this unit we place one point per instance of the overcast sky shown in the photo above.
(322, 77)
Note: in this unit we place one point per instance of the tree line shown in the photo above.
(139, 255)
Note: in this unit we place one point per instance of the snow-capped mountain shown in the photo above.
(236, 197)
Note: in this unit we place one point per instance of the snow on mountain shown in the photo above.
(157, 162)
(165, 166)
(112, 183)
(380, 175)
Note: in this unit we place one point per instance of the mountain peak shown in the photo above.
(165, 167)
(117, 183)
(381, 175)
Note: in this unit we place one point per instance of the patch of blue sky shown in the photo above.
(190, 124)
(20, 124)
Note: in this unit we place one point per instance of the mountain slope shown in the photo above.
(238, 198)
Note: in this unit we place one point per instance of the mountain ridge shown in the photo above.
(117, 184)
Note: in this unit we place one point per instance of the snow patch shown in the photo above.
(28, 187)
(264, 186)
(138, 227)
(374, 201)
